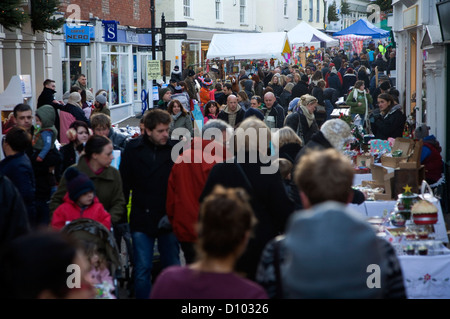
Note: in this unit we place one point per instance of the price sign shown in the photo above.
(154, 69)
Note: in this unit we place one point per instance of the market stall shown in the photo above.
(249, 46)
(356, 41)
(363, 28)
(306, 35)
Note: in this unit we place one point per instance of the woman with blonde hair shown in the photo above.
(287, 142)
(275, 84)
(270, 203)
(303, 120)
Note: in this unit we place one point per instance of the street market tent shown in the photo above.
(363, 27)
(356, 40)
(306, 35)
(249, 46)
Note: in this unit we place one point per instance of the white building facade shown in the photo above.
(422, 58)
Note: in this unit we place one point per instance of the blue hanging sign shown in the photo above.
(110, 30)
(79, 35)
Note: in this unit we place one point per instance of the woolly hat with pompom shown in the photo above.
(78, 183)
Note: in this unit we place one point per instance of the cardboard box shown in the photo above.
(368, 159)
(381, 177)
(412, 177)
(414, 159)
(406, 145)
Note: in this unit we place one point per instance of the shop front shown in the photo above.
(111, 59)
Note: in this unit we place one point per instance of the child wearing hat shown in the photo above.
(205, 95)
(45, 133)
(79, 202)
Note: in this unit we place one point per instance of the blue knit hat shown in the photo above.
(254, 112)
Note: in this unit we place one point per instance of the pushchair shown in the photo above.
(85, 231)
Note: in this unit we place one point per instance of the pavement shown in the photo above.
(132, 121)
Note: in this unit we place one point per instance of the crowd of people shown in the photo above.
(220, 228)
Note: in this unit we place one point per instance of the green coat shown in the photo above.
(354, 108)
(108, 189)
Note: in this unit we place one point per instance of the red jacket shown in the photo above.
(186, 182)
(433, 164)
(69, 211)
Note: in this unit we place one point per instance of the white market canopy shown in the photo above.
(249, 46)
(305, 35)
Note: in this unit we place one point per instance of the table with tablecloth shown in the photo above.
(426, 277)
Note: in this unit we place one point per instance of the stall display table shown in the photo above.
(426, 277)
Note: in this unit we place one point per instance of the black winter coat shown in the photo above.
(296, 118)
(19, 170)
(285, 98)
(301, 88)
(269, 200)
(145, 169)
(335, 83)
(392, 125)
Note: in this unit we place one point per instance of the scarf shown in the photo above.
(176, 116)
(309, 117)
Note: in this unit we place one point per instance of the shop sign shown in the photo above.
(132, 37)
(110, 30)
(77, 35)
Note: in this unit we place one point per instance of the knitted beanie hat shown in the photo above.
(74, 98)
(163, 91)
(422, 131)
(337, 132)
(78, 183)
(101, 98)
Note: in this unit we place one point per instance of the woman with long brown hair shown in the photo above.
(391, 120)
(180, 119)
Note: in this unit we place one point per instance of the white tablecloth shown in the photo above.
(376, 208)
(426, 277)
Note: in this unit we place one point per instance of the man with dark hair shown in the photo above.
(23, 115)
(17, 166)
(47, 96)
(145, 168)
(82, 84)
(227, 90)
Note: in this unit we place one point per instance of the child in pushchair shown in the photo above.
(103, 254)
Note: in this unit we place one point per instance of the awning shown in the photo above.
(249, 46)
(306, 35)
(363, 27)
(431, 37)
